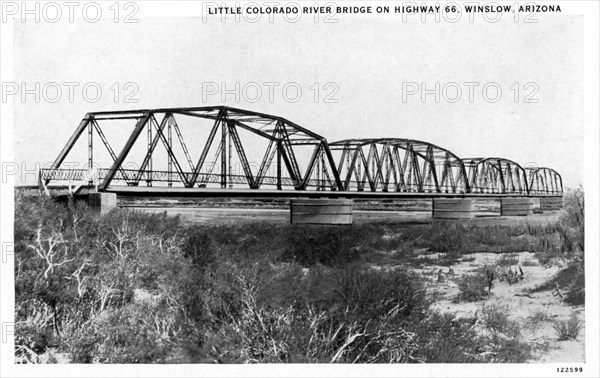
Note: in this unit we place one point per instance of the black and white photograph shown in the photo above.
(308, 188)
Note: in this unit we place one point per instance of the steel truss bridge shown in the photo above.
(222, 150)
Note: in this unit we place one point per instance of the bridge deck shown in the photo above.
(124, 191)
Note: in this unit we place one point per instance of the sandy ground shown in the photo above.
(521, 303)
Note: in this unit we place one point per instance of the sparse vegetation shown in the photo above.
(138, 288)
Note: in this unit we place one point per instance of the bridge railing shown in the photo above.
(67, 175)
(133, 177)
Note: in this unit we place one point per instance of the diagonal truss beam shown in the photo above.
(206, 149)
(241, 154)
(159, 132)
(141, 123)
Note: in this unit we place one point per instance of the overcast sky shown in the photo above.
(366, 58)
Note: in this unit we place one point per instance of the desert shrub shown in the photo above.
(325, 245)
(508, 260)
(495, 316)
(570, 230)
(443, 339)
(492, 235)
(530, 262)
(567, 329)
(539, 316)
(371, 294)
(448, 237)
(266, 333)
(350, 292)
(159, 224)
(571, 284)
(473, 287)
(131, 334)
(575, 295)
(509, 347)
(34, 331)
(286, 313)
(73, 268)
(198, 247)
(574, 216)
(83, 347)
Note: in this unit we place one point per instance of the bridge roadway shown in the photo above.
(137, 191)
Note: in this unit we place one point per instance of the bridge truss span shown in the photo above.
(496, 175)
(544, 181)
(223, 148)
(237, 147)
(399, 165)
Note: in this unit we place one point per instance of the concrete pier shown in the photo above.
(551, 203)
(516, 207)
(453, 208)
(321, 211)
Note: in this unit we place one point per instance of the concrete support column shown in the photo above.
(102, 202)
(321, 211)
(516, 206)
(453, 208)
(551, 203)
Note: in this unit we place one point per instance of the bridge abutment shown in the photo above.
(453, 208)
(101, 202)
(516, 207)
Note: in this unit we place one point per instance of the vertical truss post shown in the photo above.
(501, 175)
(170, 161)
(150, 150)
(223, 156)
(323, 171)
(279, 164)
(90, 149)
(230, 153)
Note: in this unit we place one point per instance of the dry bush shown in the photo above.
(568, 329)
(495, 316)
